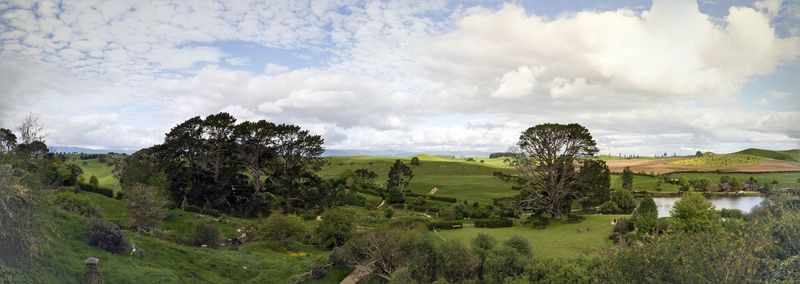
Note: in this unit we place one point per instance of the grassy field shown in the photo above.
(559, 240)
(788, 155)
(163, 261)
(714, 160)
(785, 179)
(100, 170)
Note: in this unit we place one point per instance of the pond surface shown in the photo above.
(744, 203)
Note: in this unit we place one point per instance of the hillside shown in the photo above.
(788, 155)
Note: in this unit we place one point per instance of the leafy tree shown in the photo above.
(255, 140)
(415, 161)
(502, 263)
(401, 276)
(545, 158)
(519, 244)
(646, 215)
(7, 140)
(365, 177)
(482, 245)
(609, 207)
(736, 184)
(683, 182)
(627, 178)
(336, 228)
(399, 176)
(93, 181)
(624, 199)
(283, 228)
(145, 207)
(457, 262)
(218, 133)
(693, 212)
(594, 181)
(298, 158)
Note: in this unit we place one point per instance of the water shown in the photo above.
(744, 203)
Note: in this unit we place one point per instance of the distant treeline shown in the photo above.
(501, 154)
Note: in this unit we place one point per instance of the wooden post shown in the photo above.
(92, 270)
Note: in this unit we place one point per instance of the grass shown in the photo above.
(784, 179)
(100, 170)
(559, 240)
(642, 182)
(789, 155)
(163, 261)
(715, 160)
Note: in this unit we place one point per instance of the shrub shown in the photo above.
(494, 223)
(388, 213)
(609, 207)
(646, 215)
(96, 189)
(624, 199)
(93, 181)
(205, 233)
(503, 263)
(77, 204)
(574, 219)
(457, 263)
(443, 198)
(106, 235)
(282, 228)
(445, 225)
(395, 196)
(693, 212)
(539, 222)
(731, 213)
(336, 228)
(519, 244)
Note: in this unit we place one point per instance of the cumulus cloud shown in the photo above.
(401, 75)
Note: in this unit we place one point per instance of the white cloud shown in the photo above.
(272, 69)
(516, 83)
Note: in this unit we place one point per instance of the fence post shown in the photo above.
(92, 270)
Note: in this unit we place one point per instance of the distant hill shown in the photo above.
(789, 155)
(68, 149)
(400, 153)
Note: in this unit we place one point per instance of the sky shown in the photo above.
(668, 76)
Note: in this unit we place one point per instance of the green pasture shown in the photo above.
(102, 171)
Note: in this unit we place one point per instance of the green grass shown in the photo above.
(100, 170)
(789, 155)
(559, 240)
(717, 160)
(63, 253)
(784, 179)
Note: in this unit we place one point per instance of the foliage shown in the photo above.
(20, 235)
(545, 166)
(609, 207)
(646, 215)
(145, 207)
(77, 204)
(106, 235)
(493, 223)
(93, 181)
(205, 233)
(594, 181)
(627, 178)
(395, 196)
(445, 225)
(519, 244)
(399, 176)
(335, 229)
(457, 262)
(624, 200)
(284, 229)
(414, 161)
(100, 190)
(731, 213)
(502, 263)
(693, 212)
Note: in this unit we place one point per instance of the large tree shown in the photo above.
(256, 145)
(218, 135)
(594, 182)
(180, 154)
(545, 157)
(627, 178)
(399, 176)
(145, 207)
(297, 159)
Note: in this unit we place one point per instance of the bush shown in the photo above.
(519, 244)
(539, 222)
(731, 213)
(336, 228)
(77, 204)
(443, 198)
(205, 233)
(207, 211)
(93, 181)
(574, 219)
(494, 223)
(106, 235)
(96, 189)
(388, 213)
(609, 207)
(145, 207)
(282, 228)
(445, 225)
(395, 196)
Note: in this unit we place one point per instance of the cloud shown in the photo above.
(516, 83)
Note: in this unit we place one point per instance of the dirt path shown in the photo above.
(358, 273)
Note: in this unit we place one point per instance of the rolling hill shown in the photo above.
(788, 155)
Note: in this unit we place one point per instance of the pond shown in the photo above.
(744, 203)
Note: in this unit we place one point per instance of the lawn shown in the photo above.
(100, 170)
(559, 240)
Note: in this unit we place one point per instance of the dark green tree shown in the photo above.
(7, 140)
(297, 159)
(399, 176)
(594, 182)
(646, 215)
(544, 159)
(256, 148)
(624, 199)
(627, 178)
(93, 181)
(415, 161)
(695, 213)
(336, 228)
